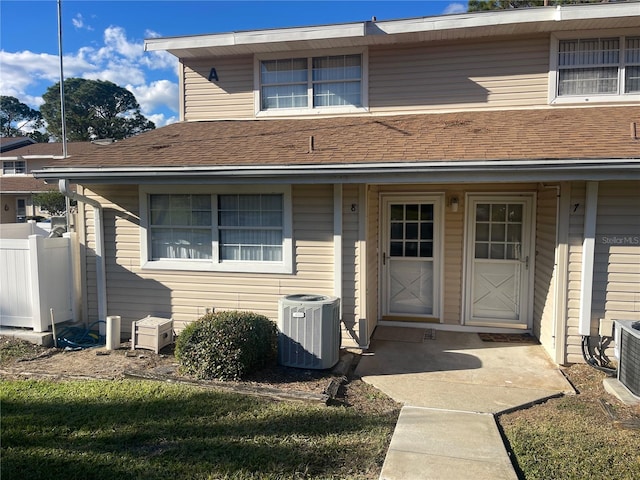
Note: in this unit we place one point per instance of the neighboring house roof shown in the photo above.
(22, 184)
(11, 143)
(38, 155)
(50, 150)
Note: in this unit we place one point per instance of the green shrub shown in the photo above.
(227, 345)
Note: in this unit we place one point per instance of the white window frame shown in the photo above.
(13, 163)
(555, 99)
(310, 109)
(215, 264)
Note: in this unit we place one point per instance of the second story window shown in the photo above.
(592, 67)
(14, 167)
(311, 82)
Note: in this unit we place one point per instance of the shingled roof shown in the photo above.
(563, 133)
(22, 184)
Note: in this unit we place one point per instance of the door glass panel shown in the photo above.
(497, 232)
(396, 230)
(396, 249)
(482, 232)
(426, 249)
(482, 250)
(426, 212)
(412, 212)
(397, 212)
(515, 213)
(497, 251)
(514, 233)
(498, 212)
(482, 212)
(412, 231)
(411, 249)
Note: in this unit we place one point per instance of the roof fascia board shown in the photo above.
(295, 34)
(448, 172)
(478, 20)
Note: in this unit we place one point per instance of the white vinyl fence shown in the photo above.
(36, 275)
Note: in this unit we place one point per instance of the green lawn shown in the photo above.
(573, 437)
(139, 430)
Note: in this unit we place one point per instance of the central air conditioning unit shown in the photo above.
(309, 331)
(628, 354)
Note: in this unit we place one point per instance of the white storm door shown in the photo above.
(410, 258)
(499, 261)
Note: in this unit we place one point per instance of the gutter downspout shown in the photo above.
(588, 255)
(101, 279)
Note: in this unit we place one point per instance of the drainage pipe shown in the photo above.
(101, 279)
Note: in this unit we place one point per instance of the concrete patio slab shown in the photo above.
(458, 371)
(452, 385)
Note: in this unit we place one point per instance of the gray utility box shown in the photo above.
(152, 333)
(309, 331)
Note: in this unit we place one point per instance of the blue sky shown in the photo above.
(104, 39)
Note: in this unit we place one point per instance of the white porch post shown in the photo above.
(337, 243)
(588, 253)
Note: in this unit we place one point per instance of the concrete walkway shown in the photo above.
(451, 385)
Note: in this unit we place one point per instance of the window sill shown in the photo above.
(583, 100)
(210, 266)
(294, 112)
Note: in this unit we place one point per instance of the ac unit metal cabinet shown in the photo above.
(309, 331)
(628, 353)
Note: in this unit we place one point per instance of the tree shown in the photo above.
(51, 201)
(15, 116)
(93, 109)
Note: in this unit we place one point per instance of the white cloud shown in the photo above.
(119, 59)
(455, 8)
(160, 120)
(115, 40)
(156, 95)
(22, 70)
(79, 24)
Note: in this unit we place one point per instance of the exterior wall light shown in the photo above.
(454, 203)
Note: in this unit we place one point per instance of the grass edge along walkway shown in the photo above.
(144, 429)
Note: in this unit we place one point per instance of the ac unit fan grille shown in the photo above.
(629, 368)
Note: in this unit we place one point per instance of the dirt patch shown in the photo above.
(22, 360)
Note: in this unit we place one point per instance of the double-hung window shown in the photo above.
(309, 84)
(16, 167)
(596, 68)
(192, 229)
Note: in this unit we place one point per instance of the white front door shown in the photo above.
(499, 260)
(411, 257)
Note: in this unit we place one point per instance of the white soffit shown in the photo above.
(444, 27)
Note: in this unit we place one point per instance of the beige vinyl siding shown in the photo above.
(616, 282)
(453, 258)
(545, 271)
(373, 262)
(231, 97)
(497, 73)
(351, 265)
(616, 278)
(134, 293)
(443, 76)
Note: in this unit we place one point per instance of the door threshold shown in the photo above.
(401, 318)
